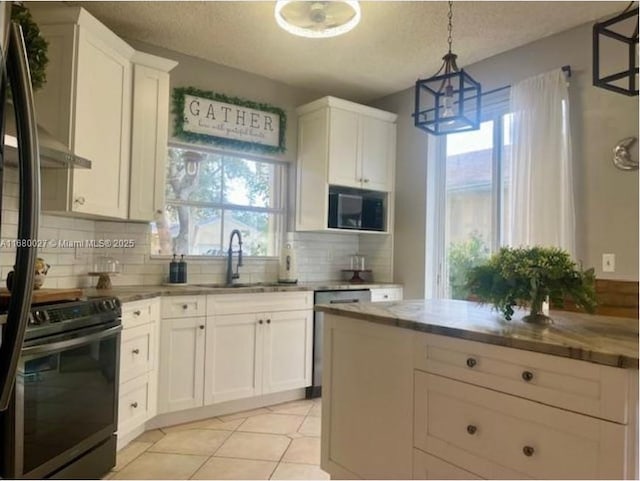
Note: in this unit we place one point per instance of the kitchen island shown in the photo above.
(448, 389)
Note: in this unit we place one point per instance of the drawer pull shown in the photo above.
(471, 429)
(135, 351)
(260, 321)
(137, 313)
(471, 362)
(201, 326)
(528, 451)
(185, 307)
(268, 321)
(134, 405)
(527, 375)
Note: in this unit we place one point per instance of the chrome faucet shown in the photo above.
(230, 274)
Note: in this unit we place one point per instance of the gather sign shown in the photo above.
(230, 121)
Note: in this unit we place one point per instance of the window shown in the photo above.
(473, 195)
(209, 194)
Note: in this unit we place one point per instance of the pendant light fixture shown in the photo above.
(613, 39)
(317, 19)
(449, 101)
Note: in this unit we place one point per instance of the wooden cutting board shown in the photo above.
(41, 296)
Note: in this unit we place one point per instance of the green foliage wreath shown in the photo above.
(178, 111)
(35, 43)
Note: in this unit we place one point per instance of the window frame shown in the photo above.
(281, 199)
(437, 268)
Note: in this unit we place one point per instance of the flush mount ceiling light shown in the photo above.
(610, 40)
(449, 101)
(317, 19)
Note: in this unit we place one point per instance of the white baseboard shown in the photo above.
(220, 409)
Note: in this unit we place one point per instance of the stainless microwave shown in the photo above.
(357, 211)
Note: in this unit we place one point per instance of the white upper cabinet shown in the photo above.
(343, 144)
(343, 159)
(360, 145)
(149, 133)
(86, 104)
(378, 153)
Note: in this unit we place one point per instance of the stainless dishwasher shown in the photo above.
(328, 297)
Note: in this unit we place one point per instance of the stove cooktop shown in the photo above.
(64, 316)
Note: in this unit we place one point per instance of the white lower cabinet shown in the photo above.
(137, 404)
(247, 345)
(233, 368)
(500, 436)
(426, 466)
(255, 353)
(182, 343)
(459, 409)
(287, 351)
(384, 294)
(138, 394)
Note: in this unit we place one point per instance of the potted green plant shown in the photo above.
(525, 277)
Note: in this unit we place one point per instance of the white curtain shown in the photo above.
(541, 200)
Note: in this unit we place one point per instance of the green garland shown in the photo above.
(178, 124)
(34, 42)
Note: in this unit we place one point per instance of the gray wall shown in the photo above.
(205, 75)
(606, 198)
(409, 257)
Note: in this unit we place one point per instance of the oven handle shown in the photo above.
(78, 341)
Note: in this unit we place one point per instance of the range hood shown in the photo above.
(53, 153)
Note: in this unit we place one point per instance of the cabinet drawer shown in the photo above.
(183, 306)
(139, 312)
(426, 466)
(137, 350)
(136, 403)
(386, 294)
(484, 432)
(578, 386)
(259, 302)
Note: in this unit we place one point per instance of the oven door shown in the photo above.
(65, 399)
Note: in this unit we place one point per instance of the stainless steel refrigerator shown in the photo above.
(15, 77)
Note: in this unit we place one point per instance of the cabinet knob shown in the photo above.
(159, 211)
(386, 296)
(471, 362)
(527, 375)
(471, 429)
(134, 405)
(366, 181)
(528, 451)
(201, 326)
(137, 313)
(79, 200)
(268, 321)
(185, 307)
(135, 351)
(260, 321)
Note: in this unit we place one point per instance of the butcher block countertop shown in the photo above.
(611, 341)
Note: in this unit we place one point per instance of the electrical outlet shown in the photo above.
(608, 262)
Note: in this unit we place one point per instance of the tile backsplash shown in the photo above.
(320, 256)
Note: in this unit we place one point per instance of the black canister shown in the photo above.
(182, 270)
(173, 270)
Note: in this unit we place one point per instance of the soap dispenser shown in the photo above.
(182, 270)
(173, 270)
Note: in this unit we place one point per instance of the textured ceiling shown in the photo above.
(394, 44)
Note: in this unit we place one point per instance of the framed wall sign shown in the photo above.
(212, 118)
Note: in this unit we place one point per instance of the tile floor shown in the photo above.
(277, 442)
